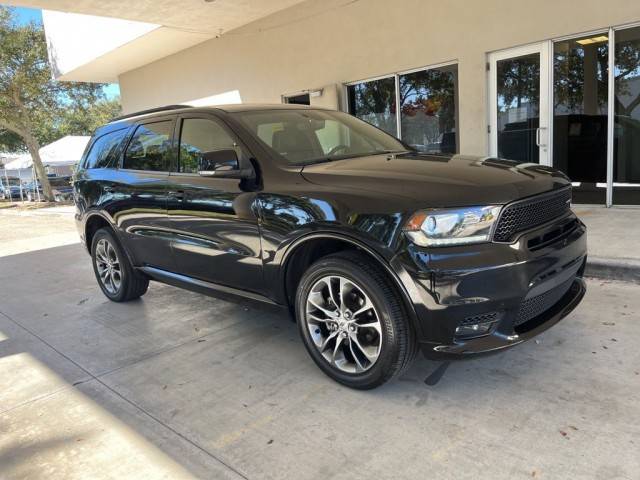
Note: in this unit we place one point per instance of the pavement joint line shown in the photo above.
(130, 402)
(41, 397)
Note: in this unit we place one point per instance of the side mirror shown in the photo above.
(220, 163)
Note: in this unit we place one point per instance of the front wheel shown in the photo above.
(352, 321)
(117, 278)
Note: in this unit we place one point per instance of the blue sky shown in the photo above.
(26, 15)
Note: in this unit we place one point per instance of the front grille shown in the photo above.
(536, 306)
(525, 214)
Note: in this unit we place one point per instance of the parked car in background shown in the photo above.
(380, 251)
(61, 187)
(10, 188)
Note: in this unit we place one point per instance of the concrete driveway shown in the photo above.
(178, 385)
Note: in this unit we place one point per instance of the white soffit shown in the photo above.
(96, 41)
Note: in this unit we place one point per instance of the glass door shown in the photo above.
(625, 170)
(519, 104)
(580, 114)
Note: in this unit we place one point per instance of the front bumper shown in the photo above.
(523, 288)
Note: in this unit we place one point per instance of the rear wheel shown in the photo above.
(352, 321)
(117, 278)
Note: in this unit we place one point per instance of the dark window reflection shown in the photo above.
(518, 97)
(104, 151)
(150, 147)
(626, 166)
(199, 137)
(580, 114)
(428, 109)
(375, 102)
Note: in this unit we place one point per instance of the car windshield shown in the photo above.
(310, 136)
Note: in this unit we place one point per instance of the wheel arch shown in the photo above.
(306, 250)
(94, 222)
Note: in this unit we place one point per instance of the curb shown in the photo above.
(625, 269)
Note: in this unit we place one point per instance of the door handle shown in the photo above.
(539, 136)
(108, 188)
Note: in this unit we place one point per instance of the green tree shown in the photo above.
(35, 107)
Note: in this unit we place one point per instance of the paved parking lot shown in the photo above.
(179, 385)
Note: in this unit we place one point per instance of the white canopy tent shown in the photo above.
(64, 152)
(58, 158)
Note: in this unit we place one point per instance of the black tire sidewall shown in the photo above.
(125, 269)
(390, 349)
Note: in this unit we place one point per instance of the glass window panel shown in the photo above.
(104, 150)
(150, 147)
(198, 137)
(518, 97)
(626, 151)
(375, 102)
(428, 100)
(580, 114)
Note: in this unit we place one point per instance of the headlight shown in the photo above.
(455, 226)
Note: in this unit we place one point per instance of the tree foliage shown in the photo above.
(35, 108)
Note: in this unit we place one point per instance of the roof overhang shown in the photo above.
(96, 41)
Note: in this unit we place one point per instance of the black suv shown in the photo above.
(378, 250)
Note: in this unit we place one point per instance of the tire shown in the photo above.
(372, 311)
(117, 278)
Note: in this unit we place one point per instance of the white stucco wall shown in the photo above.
(324, 43)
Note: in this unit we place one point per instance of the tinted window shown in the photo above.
(150, 147)
(626, 140)
(580, 111)
(198, 137)
(375, 103)
(428, 109)
(104, 150)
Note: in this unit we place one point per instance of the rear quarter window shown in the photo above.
(104, 150)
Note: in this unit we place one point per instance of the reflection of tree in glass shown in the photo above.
(572, 66)
(518, 82)
(375, 102)
(627, 72)
(428, 108)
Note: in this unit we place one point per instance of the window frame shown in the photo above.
(242, 151)
(396, 77)
(132, 130)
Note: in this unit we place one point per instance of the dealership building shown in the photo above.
(554, 82)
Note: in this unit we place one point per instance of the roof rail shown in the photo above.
(151, 110)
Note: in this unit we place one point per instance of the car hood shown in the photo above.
(438, 181)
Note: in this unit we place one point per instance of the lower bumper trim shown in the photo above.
(497, 341)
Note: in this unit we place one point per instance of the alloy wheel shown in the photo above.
(108, 266)
(343, 324)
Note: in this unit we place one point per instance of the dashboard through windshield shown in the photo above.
(310, 136)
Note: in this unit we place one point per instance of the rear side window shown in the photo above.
(104, 150)
(150, 147)
(200, 136)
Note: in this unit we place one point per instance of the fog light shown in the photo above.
(477, 325)
(473, 330)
